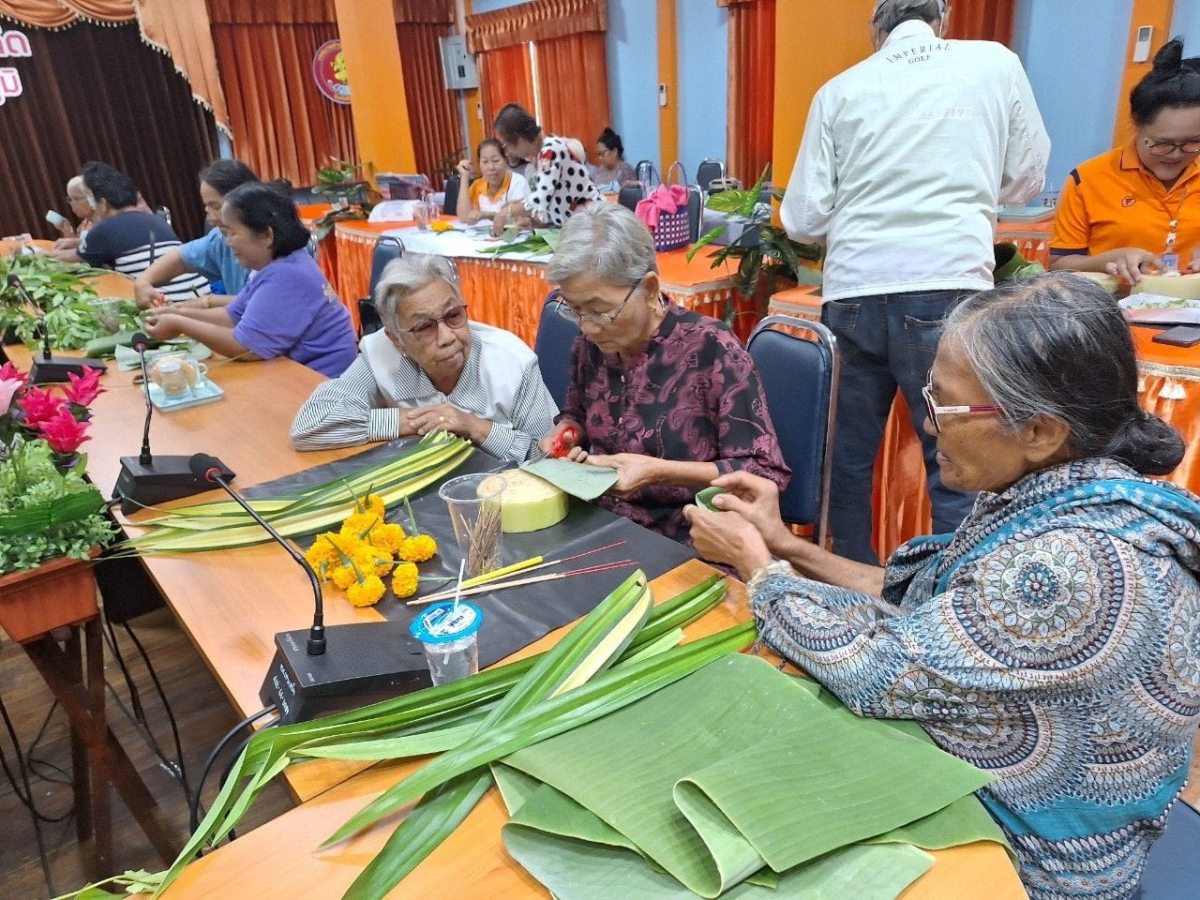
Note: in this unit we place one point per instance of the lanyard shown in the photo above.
(1170, 258)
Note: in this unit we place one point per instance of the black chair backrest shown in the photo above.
(450, 207)
(386, 249)
(629, 196)
(709, 170)
(799, 375)
(695, 212)
(555, 337)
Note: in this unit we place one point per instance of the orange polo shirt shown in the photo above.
(1113, 201)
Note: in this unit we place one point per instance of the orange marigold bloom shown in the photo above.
(404, 581)
(366, 593)
(418, 548)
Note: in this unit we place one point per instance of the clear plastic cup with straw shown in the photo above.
(449, 633)
(475, 502)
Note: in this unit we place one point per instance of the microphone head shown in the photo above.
(205, 467)
(140, 342)
(14, 281)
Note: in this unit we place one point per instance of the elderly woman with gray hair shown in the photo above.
(667, 397)
(1053, 640)
(430, 368)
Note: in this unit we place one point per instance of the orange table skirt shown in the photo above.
(1169, 387)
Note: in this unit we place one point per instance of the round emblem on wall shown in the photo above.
(329, 72)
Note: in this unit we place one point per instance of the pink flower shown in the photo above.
(9, 372)
(8, 387)
(39, 405)
(63, 433)
(83, 390)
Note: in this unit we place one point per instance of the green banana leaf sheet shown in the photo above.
(738, 781)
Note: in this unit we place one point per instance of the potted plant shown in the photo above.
(51, 518)
(766, 257)
(351, 197)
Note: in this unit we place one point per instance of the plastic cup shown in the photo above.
(449, 633)
(475, 502)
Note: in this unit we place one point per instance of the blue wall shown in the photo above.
(1187, 25)
(632, 47)
(1073, 52)
(703, 30)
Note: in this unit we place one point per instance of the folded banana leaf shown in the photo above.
(736, 781)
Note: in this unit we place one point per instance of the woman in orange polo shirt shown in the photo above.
(1136, 209)
(498, 186)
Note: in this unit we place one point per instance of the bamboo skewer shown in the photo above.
(536, 579)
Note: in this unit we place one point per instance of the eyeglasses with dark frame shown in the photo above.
(1165, 148)
(455, 317)
(936, 412)
(600, 318)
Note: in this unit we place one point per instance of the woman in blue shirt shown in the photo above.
(286, 309)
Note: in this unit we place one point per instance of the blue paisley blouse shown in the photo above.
(1053, 641)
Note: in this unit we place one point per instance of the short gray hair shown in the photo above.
(405, 276)
(1058, 346)
(605, 240)
(890, 13)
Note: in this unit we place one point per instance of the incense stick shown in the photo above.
(537, 579)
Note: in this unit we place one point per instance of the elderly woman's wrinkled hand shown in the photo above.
(754, 499)
(636, 471)
(446, 417)
(164, 326)
(726, 537)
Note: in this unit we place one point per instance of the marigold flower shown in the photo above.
(343, 577)
(373, 504)
(322, 552)
(418, 548)
(366, 593)
(358, 524)
(404, 580)
(370, 561)
(387, 537)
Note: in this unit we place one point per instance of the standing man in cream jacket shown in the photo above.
(905, 160)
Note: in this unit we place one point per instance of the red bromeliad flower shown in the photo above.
(62, 432)
(9, 372)
(83, 391)
(40, 405)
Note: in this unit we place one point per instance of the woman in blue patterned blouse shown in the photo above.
(1054, 639)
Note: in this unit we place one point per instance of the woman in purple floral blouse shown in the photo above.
(667, 397)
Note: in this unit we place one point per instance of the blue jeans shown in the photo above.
(885, 341)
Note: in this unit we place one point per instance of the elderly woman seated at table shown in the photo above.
(286, 309)
(497, 187)
(667, 397)
(430, 368)
(1053, 639)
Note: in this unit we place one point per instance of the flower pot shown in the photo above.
(56, 593)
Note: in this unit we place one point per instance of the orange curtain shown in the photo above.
(982, 20)
(537, 20)
(283, 127)
(575, 106)
(751, 125)
(505, 76)
(432, 109)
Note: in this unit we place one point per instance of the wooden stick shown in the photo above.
(520, 582)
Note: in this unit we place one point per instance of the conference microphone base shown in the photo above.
(165, 478)
(362, 664)
(56, 369)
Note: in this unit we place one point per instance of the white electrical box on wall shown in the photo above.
(1141, 46)
(458, 66)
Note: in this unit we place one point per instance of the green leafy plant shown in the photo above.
(341, 182)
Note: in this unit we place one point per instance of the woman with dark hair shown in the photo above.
(1053, 640)
(1136, 209)
(562, 183)
(496, 187)
(612, 169)
(209, 255)
(287, 309)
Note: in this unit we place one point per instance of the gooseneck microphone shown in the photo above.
(210, 470)
(141, 344)
(48, 368)
(14, 282)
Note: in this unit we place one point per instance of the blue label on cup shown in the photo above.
(443, 623)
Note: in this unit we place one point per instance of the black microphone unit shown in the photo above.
(147, 480)
(318, 671)
(47, 368)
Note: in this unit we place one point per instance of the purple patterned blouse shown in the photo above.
(693, 394)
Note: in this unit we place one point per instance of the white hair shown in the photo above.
(890, 13)
(405, 276)
(605, 240)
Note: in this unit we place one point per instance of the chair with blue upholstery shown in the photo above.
(1173, 867)
(555, 337)
(386, 249)
(798, 362)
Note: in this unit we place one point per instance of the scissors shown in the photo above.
(567, 438)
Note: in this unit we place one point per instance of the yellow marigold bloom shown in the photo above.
(373, 505)
(342, 577)
(418, 548)
(366, 593)
(371, 561)
(388, 537)
(440, 226)
(404, 581)
(358, 524)
(321, 552)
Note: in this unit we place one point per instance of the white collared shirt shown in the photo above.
(905, 160)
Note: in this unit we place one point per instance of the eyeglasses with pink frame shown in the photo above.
(936, 412)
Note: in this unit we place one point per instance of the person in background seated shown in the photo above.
(613, 170)
(489, 194)
(562, 184)
(286, 309)
(1136, 209)
(1053, 640)
(80, 202)
(209, 255)
(125, 238)
(430, 368)
(667, 397)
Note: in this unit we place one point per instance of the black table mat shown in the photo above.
(517, 617)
